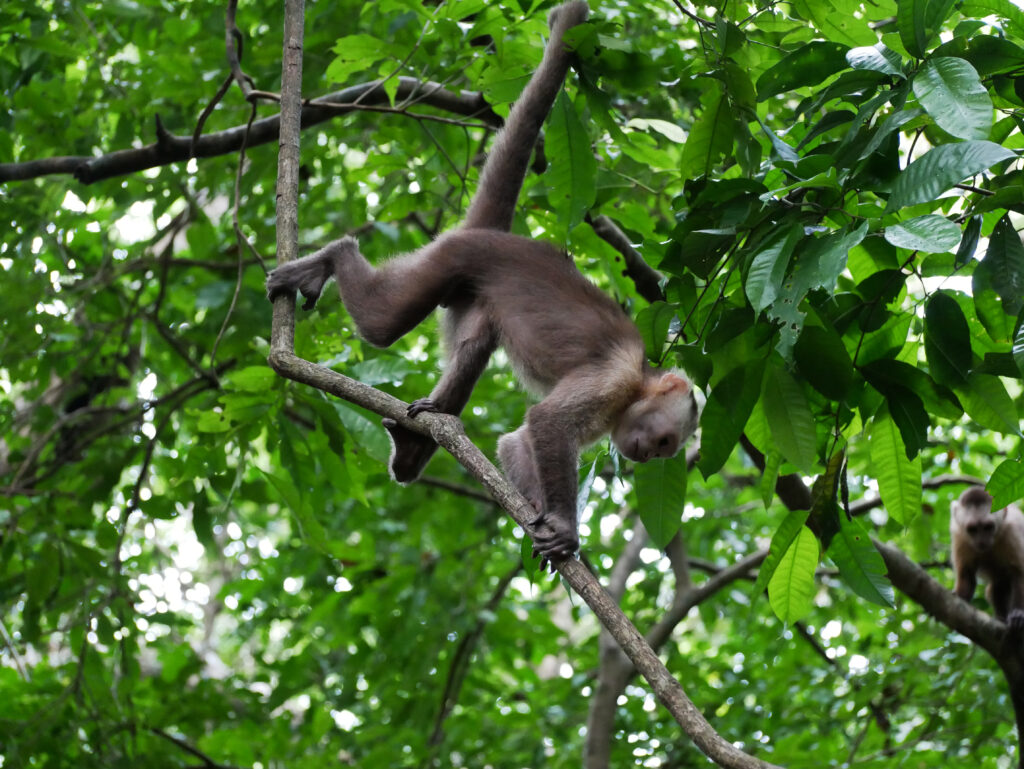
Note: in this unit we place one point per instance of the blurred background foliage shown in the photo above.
(204, 565)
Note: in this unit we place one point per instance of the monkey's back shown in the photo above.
(551, 320)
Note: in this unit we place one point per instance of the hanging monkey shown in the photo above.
(569, 343)
(991, 543)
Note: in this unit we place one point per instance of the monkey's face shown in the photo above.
(656, 426)
(982, 531)
(981, 525)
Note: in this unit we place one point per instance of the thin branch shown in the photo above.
(645, 277)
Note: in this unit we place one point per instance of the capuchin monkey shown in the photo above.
(570, 344)
(991, 543)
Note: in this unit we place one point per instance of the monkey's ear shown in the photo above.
(672, 383)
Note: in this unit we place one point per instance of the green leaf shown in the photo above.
(951, 92)
(919, 22)
(911, 418)
(782, 539)
(986, 402)
(947, 339)
(661, 494)
(726, 412)
(572, 173)
(860, 564)
(969, 242)
(791, 588)
(1006, 484)
(768, 266)
(711, 135)
(942, 167)
(807, 65)
(899, 478)
(1002, 268)
(838, 20)
(355, 53)
(878, 58)
(824, 362)
(790, 418)
(653, 322)
(930, 233)
(1002, 8)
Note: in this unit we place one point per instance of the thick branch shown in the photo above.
(175, 149)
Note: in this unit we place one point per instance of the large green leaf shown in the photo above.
(824, 362)
(919, 21)
(986, 401)
(1006, 484)
(710, 137)
(807, 65)
(790, 418)
(782, 539)
(951, 92)
(878, 58)
(726, 412)
(791, 588)
(768, 267)
(942, 167)
(930, 233)
(860, 564)
(1002, 268)
(947, 339)
(1002, 8)
(899, 478)
(661, 494)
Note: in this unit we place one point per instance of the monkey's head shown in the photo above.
(972, 514)
(658, 423)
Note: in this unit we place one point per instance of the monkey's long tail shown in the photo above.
(503, 173)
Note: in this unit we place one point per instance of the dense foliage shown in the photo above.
(201, 564)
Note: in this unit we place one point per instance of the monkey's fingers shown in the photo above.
(421, 406)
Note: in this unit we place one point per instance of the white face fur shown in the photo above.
(658, 425)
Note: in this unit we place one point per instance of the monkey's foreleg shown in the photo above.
(516, 458)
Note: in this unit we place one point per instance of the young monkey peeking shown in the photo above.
(991, 543)
(570, 344)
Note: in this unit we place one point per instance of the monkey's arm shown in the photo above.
(966, 580)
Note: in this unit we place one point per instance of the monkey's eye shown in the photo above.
(663, 443)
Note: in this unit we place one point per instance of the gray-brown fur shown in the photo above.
(569, 343)
(990, 544)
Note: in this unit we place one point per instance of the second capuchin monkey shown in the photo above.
(569, 343)
(992, 544)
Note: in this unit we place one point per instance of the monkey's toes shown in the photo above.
(421, 406)
(1015, 621)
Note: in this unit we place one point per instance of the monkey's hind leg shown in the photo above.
(308, 274)
(470, 340)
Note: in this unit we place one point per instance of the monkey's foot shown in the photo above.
(1015, 621)
(554, 539)
(410, 452)
(306, 275)
(421, 406)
